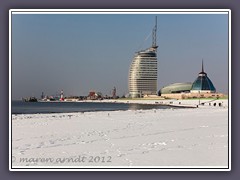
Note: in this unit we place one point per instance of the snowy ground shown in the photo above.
(159, 138)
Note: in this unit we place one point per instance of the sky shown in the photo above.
(78, 53)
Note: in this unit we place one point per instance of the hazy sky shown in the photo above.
(79, 53)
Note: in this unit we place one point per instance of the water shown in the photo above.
(19, 107)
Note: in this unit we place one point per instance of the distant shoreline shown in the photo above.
(111, 105)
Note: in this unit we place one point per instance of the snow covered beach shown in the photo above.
(190, 137)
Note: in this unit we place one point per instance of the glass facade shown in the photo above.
(142, 78)
(203, 83)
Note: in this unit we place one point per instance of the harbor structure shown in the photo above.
(61, 96)
(142, 79)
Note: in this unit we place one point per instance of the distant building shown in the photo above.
(92, 95)
(114, 92)
(203, 84)
(142, 78)
(202, 87)
(42, 96)
(176, 88)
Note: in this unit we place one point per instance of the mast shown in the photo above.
(202, 66)
(154, 35)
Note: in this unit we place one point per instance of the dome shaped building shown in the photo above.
(176, 88)
(202, 87)
(203, 84)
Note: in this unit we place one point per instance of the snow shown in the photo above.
(195, 137)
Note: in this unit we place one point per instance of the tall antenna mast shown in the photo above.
(154, 35)
(202, 66)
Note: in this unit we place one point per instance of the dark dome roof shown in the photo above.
(203, 83)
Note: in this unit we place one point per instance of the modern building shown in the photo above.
(203, 84)
(176, 88)
(202, 87)
(142, 78)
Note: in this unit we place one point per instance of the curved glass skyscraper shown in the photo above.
(143, 73)
(142, 78)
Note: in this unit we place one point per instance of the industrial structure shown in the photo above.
(142, 78)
